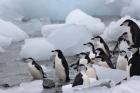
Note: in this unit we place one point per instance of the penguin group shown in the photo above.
(98, 54)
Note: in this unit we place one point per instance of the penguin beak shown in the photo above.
(121, 24)
(84, 44)
(129, 49)
(52, 51)
(92, 38)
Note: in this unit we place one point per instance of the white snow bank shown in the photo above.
(114, 30)
(70, 38)
(30, 87)
(78, 17)
(132, 8)
(37, 48)
(48, 29)
(10, 30)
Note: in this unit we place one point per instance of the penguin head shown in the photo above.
(122, 53)
(97, 38)
(28, 59)
(98, 58)
(99, 51)
(133, 49)
(124, 35)
(82, 68)
(128, 23)
(57, 51)
(89, 44)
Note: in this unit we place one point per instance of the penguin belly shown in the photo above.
(60, 70)
(121, 63)
(92, 56)
(123, 46)
(36, 74)
(83, 61)
(130, 37)
(91, 73)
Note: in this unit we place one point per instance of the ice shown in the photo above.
(70, 39)
(114, 30)
(10, 30)
(5, 41)
(112, 74)
(29, 87)
(37, 48)
(95, 25)
(48, 29)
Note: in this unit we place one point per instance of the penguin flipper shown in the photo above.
(78, 80)
(39, 68)
(110, 64)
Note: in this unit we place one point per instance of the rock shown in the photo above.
(47, 83)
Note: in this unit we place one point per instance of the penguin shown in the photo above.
(83, 59)
(92, 52)
(102, 44)
(91, 71)
(103, 58)
(134, 61)
(35, 69)
(122, 43)
(133, 33)
(61, 66)
(122, 61)
(84, 76)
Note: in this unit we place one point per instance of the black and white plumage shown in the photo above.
(35, 69)
(102, 44)
(122, 43)
(133, 33)
(104, 59)
(122, 61)
(61, 66)
(92, 52)
(83, 59)
(84, 76)
(134, 61)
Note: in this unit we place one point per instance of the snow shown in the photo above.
(114, 30)
(10, 30)
(37, 48)
(95, 25)
(70, 39)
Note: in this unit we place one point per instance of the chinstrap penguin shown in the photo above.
(92, 52)
(133, 33)
(122, 61)
(100, 43)
(61, 66)
(35, 69)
